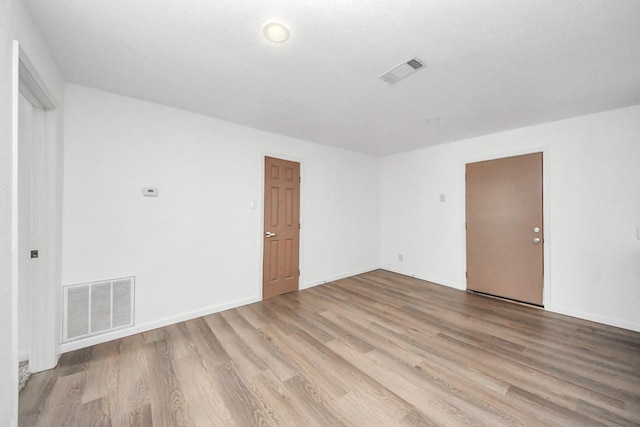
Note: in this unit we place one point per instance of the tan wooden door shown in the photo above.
(504, 228)
(281, 272)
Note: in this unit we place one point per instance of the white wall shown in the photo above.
(197, 247)
(592, 197)
(15, 24)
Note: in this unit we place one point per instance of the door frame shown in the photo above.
(45, 333)
(260, 209)
(546, 209)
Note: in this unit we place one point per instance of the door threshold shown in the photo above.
(515, 301)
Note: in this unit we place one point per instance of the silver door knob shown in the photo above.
(270, 234)
(537, 240)
(536, 229)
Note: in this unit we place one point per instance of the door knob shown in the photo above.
(270, 234)
(537, 240)
(536, 229)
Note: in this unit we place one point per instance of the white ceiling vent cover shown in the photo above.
(401, 71)
(96, 308)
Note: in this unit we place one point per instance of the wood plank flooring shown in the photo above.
(378, 349)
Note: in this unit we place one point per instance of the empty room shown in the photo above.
(285, 213)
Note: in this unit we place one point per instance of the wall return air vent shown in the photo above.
(401, 71)
(96, 308)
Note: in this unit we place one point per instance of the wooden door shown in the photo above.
(504, 228)
(281, 272)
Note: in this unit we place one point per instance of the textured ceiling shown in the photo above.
(491, 65)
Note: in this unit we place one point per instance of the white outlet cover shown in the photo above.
(150, 192)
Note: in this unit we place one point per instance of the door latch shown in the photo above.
(34, 254)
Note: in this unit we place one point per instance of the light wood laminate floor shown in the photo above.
(378, 349)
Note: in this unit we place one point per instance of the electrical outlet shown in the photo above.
(150, 192)
(400, 257)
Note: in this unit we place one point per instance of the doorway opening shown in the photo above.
(35, 229)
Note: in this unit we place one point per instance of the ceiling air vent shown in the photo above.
(401, 71)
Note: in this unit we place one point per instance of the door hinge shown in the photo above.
(298, 272)
(299, 179)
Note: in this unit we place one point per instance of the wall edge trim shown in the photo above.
(593, 317)
(435, 280)
(338, 277)
(144, 327)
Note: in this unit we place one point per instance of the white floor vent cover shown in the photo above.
(96, 308)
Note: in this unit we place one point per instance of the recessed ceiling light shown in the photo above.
(276, 32)
(432, 119)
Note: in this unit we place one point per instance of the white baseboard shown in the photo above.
(99, 339)
(435, 280)
(334, 278)
(75, 345)
(619, 323)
